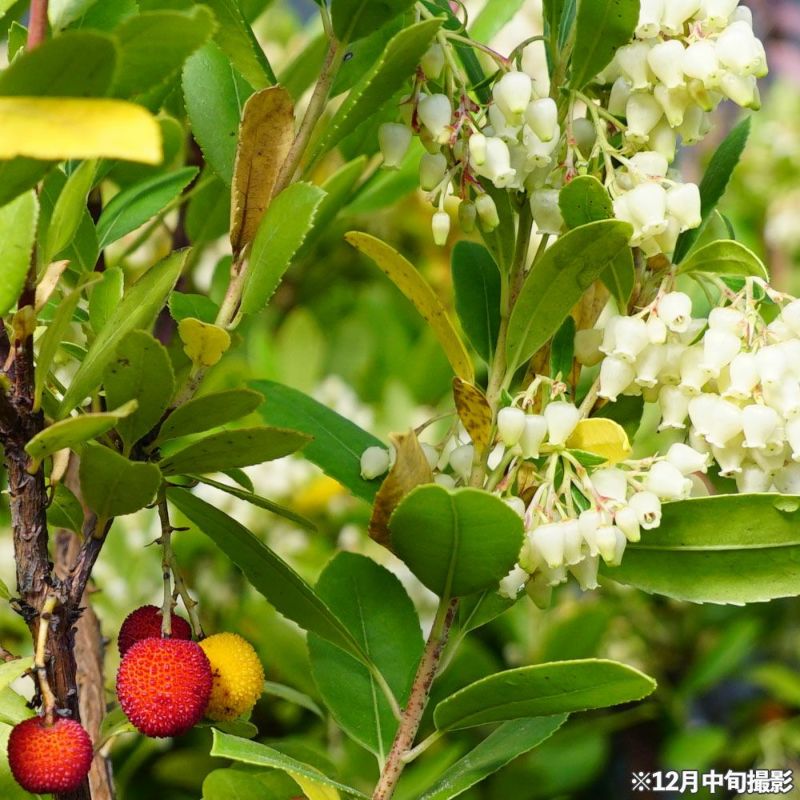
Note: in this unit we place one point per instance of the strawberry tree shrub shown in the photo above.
(159, 179)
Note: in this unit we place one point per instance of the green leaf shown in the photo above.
(154, 45)
(236, 784)
(337, 443)
(260, 755)
(562, 350)
(134, 206)
(354, 19)
(62, 13)
(360, 56)
(753, 557)
(209, 411)
(556, 688)
(105, 296)
(236, 39)
(557, 281)
(724, 257)
(456, 542)
(241, 447)
(199, 306)
(11, 670)
(141, 370)
(380, 84)
(476, 282)
(584, 200)
(503, 745)
(284, 226)
(68, 210)
(17, 235)
(268, 574)
(138, 309)
(13, 709)
(494, 16)
(578, 634)
(373, 605)
(259, 502)
(112, 486)
(65, 510)
(214, 94)
(73, 431)
(715, 181)
(290, 695)
(602, 27)
(477, 610)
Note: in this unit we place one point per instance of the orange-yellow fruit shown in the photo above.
(145, 623)
(163, 686)
(238, 676)
(49, 759)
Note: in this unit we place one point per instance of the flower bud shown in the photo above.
(516, 504)
(374, 462)
(512, 93)
(533, 435)
(513, 583)
(431, 454)
(656, 330)
(467, 215)
(548, 541)
(546, 211)
(432, 61)
(487, 212)
(618, 98)
(432, 169)
(611, 543)
(666, 61)
(440, 225)
(394, 140)
(675, 309)
(662, 139)
(648, 509)
(542, 117)
(610, 483)
(561, 417)
(447, 481)
(643, 113)
(674, 407)
(627, 520)
(585, 134)
(435, 112)
(683, 203)
(461, 460)
(510, 425)
(687, 459)
(649, 24)
(587, 346)
(615, 376)
(676, 14)
(477, 149)
(666, 482)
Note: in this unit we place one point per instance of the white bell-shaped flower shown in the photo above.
(587, 346)
(649, 364)
(744, 376)
(573, 542)
(787, 479)
(729, 459)
(768, 460)
(695, 126)
(667, 482)
(717, 13)
(630, 338)
(752, 480)
(694, 371)
(374, 462)
(440, 227)
(663, 140)
(742, 89)
(633, 64)
(539, 153)
(687, 459)
(611, 543)
(759, 423)
(787, 401)
(627, 520)
(725, 422)
(461, 460)
(673, 102)
(432, 61)
(431, 454)
(647, 506)
(615, 376)
(648, 205)
(487, 212)
(432, 170)
(656, 330)
(676, 14)
(701, 63)
(533, 435)
(790, 315)
(548, 540)
(674, 405)
(394, 140)
(512, 93)
(643, 113)
(516, 504)
(650, 163)
(675, 309)
(666, 61)
(588, 523)
(618, 97)
(610, 483)
(510, 425)
(649, 24)
(546, 211)
(772, 366)
(542, 118)
(513, 583)
(435, 112)
(793, 437)
(585, 572)
(442, 479)
(720, 347)
(683, 203)
(727, 318)
(561, 417)
(497, 167)
(739, 50)
(477, 149)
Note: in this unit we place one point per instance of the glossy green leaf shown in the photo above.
(337, 443)
(379, 85)
(501, 746)
(138, 309)
(68, 210)
(134, 206)
(240, 447)
(74, 430)
(494, 16)
(208, 212)
(199, 306)
(105, 296)
(477, 610)
(373, 605)
(556, 688)
(141, 370)
(456, 542)
(724, 257)
(601, 28)
(715, 181)
(283, 228)
(113, 486)
(290, 695)
(476, 282)
(557, 281)
(236, 39)
(238, 784)
(753, 557)
(562, 349)
(215, 93)
(354, 19)
(584, 200)
(261, 755)
(65, 510)
(17, 235)
(154, 45)
(361, 55)
(266, 571)
(209, 411)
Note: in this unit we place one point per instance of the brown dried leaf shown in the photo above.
(265, 135)
(410, 469)
(474, 411)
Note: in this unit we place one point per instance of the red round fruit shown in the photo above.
(163, 685)
(145, 623)
(49, 759)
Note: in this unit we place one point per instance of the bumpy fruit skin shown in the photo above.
(47, 759)
(163, 686)
(238, 676)
(145, 623)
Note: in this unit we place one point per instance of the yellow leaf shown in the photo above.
(265, 136)
(474, 411)
(603, 437)
(406, 278)
(57, 128)
(203, 343)
(314, 790)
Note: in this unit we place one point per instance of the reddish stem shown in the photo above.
(37, 26)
